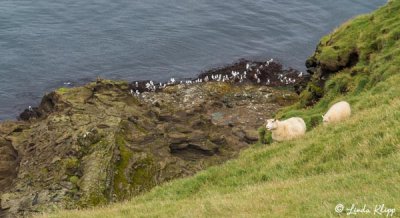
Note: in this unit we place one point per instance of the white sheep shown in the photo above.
(338, 112)
(286, 130)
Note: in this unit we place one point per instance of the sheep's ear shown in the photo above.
(274, 120)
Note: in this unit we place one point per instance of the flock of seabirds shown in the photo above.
(254, 72)
(269, 73)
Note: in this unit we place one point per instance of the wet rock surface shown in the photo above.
(103, 142)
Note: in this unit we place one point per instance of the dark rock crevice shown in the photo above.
(320, 72)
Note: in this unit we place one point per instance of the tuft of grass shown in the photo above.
(264, 136)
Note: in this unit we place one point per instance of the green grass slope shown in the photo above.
(355, 162)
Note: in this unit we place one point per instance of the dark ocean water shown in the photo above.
(44, 43)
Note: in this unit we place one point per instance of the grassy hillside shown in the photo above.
(355, 162)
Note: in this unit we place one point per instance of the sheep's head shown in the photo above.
(272, 124)
(325, 119)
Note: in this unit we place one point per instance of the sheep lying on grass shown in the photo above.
(286, 130)
(338, 112)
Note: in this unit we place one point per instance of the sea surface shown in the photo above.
(46, 43)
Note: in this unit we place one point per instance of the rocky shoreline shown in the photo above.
(108, 141)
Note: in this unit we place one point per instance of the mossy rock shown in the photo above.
(74, 180)
(62, 90)
(134, 172)
(71, 165)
